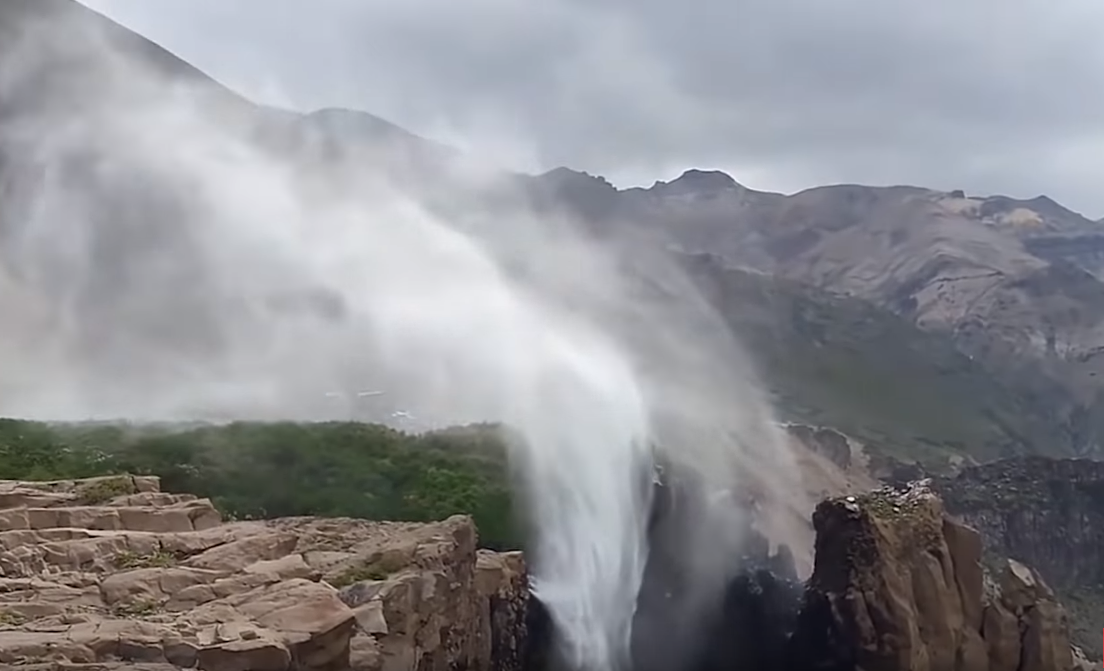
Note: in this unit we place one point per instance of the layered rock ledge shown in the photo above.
(111, 573)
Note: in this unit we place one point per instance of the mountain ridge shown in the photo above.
(1016, 283)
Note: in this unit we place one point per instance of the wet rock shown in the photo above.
(683, 623)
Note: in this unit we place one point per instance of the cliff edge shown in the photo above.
(111, 573)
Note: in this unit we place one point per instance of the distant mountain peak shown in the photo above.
(699, 181)
(1044, 201)
(567, 177)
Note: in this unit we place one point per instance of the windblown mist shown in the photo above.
(169, 251)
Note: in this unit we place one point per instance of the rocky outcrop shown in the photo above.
(900, 586)
(114, 574)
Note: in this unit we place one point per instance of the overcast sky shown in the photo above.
(990, 96)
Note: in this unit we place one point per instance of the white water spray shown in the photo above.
(180, 242)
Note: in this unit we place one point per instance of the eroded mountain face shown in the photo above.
(1016, 283)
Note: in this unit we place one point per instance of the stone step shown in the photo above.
(155, 499)
(87, 491)
(26, 599)
(28, 553)
(194, 515)
(43, 552)
(262, 628)
(111, 574)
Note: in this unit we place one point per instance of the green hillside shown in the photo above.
(283, 469)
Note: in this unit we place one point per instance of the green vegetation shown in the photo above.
(135, 609)
(378, 569)
(157, 559)
(104, 490)
(258, 470)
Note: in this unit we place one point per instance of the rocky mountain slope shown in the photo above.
(1015, 284)
(111, 572)
(839, 361)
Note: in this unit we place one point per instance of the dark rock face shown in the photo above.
(502, 579)
(755, 622)
(540, 652)
(1046, 513)
(744, 629)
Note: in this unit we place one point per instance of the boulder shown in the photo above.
(110, 573)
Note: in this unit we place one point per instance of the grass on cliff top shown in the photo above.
(259, 470)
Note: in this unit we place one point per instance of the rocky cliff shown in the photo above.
(114, 574)
(1048, 513)
(900, 585)
(106, 574)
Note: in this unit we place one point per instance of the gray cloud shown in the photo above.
(982, 94)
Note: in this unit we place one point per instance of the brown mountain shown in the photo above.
(1016, 284)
